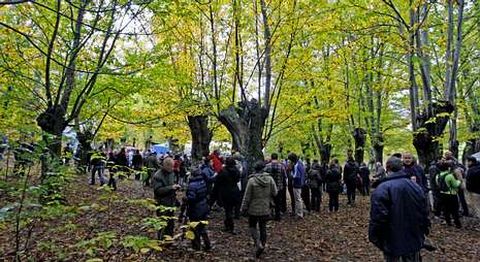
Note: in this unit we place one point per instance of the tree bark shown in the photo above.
(378, 145)
(360, 136)
(53, 122)
(85, 140)
(425, 139)
(201, 136)
(245, 123)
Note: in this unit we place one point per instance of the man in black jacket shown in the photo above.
(473, 175)
(350, 176)
(398, 205)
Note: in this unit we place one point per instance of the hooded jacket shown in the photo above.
(398, 216)
(197, 199)
(259, 194)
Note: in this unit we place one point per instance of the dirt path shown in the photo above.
(340, 236)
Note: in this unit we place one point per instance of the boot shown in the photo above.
(206, 241)
(258, 246)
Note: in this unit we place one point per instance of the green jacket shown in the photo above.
(452, 183)
(162, 183)
(259, 194)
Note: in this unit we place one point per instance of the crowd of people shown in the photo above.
(405, 196)
(400, 201)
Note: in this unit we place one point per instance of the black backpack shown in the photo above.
(442, 183)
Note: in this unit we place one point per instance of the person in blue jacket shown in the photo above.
(198, 209)
(298, 176)
(398, 215)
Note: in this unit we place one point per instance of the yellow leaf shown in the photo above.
(190, 235)
(144, 250)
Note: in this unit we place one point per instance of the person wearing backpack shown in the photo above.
(448, 182)
(277, 171)
(315, 182)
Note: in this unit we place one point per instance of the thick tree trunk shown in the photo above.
(52, 121)
(360, 136)
(245, 123)
(378, 147)
(325, 154)
(201, 136)
(430, 129)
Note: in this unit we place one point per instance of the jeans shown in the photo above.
(99, 170)
(351, 188)
(415, 257)
(297, 192)
(450, 208)
(278, 206)
(292, 197)
(262, 227)
(316, 198)
(333, 201)
(366, 189)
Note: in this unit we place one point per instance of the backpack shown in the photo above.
(442, 183)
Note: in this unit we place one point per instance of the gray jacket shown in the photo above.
(259, 194)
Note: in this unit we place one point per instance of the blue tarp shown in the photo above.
(160, 149)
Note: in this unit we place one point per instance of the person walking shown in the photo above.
(198, 209)
(164, 189)
(278, 173)
(333, 185)
(398, 205)
(259, 194)
(228, 192)
(448, 182)
(298, 181)
(97, 163)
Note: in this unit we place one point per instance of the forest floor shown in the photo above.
(320, 236)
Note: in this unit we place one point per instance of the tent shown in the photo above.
(160, 149)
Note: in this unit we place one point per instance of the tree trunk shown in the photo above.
(378, 147)
(201, 136)
(431, 128)
(360, 135)
(245, 123)
(325, 153)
